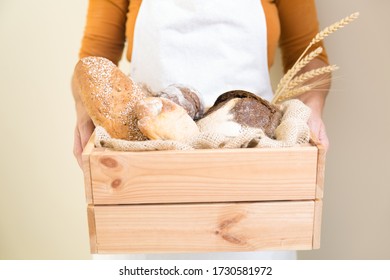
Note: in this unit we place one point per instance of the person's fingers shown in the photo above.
(314, 127)
(317, 127)
(323, 137)
(77, 147)
(86, 132)
(83, 132)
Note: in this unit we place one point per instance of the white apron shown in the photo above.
(211, 45)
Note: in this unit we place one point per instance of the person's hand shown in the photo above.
(82, 133)
(317, 127)
(316, 103)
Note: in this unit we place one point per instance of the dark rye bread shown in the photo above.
(251, 110)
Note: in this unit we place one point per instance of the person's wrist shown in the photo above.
(315, 102)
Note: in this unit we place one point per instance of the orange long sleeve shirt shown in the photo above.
(291, 24)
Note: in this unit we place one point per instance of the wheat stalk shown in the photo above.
(295, 69)
(332, 28)
(285, 81)
(316, 86)
(293, 93)
(310, 75)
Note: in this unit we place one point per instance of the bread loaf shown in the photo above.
(109, 97)
(245, 109)
(162, 119)
(186, 97)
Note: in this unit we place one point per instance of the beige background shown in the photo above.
(42, 205)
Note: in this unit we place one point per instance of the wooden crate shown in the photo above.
(204, 200)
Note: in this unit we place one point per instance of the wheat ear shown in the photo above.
(299, 80)
(319, 37)
(329, 30)
(295, 69)
(332, 28)
(293, 92)
(312, 87)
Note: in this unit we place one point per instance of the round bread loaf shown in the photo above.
(246, 109)
(186, 97)
(109, 97)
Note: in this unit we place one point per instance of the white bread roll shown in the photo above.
(162, 119)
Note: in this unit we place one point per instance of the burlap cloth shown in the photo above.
(292, 130)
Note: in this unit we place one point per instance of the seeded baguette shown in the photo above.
(109, 97)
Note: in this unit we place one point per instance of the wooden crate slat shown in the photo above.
(203, 175)
(92, 228)
(317, 223)
(320, 172)
(85, 157)
(210, 227)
